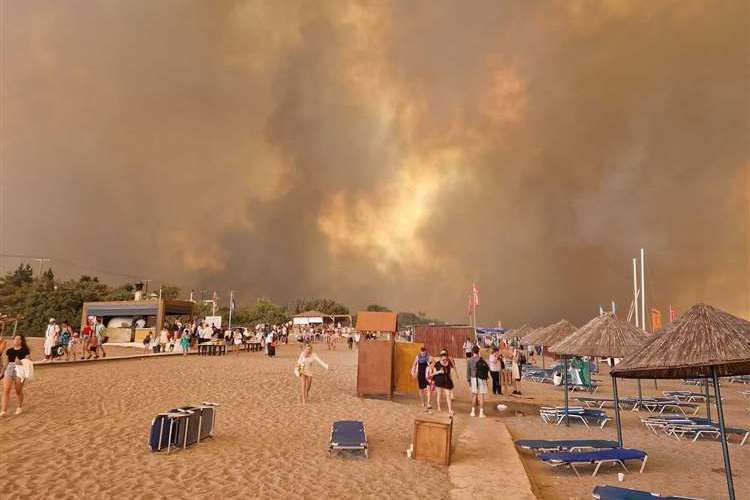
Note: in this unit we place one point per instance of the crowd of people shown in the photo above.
(435, 375)
(64, 340)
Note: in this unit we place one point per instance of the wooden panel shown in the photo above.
(375, 368)
(451, 338)
(403, 359)
(432, 438)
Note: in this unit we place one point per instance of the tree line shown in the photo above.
(36, 299)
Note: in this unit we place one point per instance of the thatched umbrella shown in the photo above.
(549, 335)
(605, 336)
(518, 333)
(703, 342)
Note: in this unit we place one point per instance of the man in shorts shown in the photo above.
(477, 373)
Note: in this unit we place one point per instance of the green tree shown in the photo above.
(326, 306)
(170, 292)
(377, 308)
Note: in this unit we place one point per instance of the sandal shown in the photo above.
(19, 411)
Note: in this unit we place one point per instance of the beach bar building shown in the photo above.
(132, 320)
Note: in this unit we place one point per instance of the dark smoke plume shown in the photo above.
(389, 152)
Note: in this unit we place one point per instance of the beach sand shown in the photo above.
(84, 435)
(84, 432)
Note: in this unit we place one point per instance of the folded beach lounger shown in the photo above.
(616, 493)
(542, 445)
(165, 429)
(348, 435)
(201, 420)
(597, 458)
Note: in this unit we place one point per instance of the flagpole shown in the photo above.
(231, 308)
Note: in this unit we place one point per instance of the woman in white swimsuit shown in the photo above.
(304, 370)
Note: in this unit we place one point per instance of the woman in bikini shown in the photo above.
(304, 370)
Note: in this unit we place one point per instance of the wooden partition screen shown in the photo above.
(403, 359)
(375, 368)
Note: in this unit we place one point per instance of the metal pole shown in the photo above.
(724, 445)
(708, 401)
(643, 290)
(640, 393)
(565, 364)
(231, 301)
(617, 407)
(635, 290)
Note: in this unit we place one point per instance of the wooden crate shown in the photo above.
(432, 438)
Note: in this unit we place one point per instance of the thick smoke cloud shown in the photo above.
(385, 152)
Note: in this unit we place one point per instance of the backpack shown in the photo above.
(483, 369)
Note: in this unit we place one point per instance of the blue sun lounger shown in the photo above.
(616, 493)
(597, 458)
(542, 445)
(348, 435)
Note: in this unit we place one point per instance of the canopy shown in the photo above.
(701, 338)
(490, 330)
(605, 336)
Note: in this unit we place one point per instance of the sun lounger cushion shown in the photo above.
(348, 435)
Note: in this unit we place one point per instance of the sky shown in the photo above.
(384, 152)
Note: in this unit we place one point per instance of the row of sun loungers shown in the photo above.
(689, 396)
(579, 452)
(695, 427)
(575, 453)
(653, 405)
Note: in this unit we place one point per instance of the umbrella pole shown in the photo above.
(640, 395)
(708, 402)
(617, 408)
(565, 362)
(543, 358)
(724, 445)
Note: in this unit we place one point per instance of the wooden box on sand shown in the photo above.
(432, 438)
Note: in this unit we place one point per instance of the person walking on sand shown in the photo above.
(518, 361)
(477, 373)
(50, 338)
(496, 368)
(86, 333)
(304, 370)
(468, 344)
(442, 379)
(16, 353)
(419, 370)
(99, 332)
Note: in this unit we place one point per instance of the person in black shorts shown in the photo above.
(442, 379)
(420, 369)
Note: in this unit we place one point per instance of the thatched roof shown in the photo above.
(551, 334)
(699, 339)
(604, 336)
(517, 333)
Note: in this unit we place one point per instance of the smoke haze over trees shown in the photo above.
(388, 152)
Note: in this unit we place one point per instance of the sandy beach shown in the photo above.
(84, 430)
